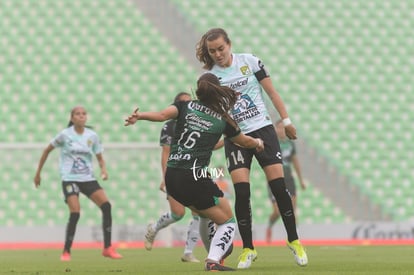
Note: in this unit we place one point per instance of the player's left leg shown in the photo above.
(273, 217)
(100, 199)
(222, 240)
(284, 202)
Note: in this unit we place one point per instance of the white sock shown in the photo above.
(192, 235)
(222, 240)
(207, 231)
(165, 220)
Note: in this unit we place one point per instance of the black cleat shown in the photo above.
(217, 267)
(228, 252)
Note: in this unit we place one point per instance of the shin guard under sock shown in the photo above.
(244, 213)
(207, 231)
(106, 223)
(70, 230)
(284, 203)
(192, 235)
(222, 240)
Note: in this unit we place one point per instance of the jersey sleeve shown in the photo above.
(258, 68)
(167, 133)
(97, 145)
(58, 140)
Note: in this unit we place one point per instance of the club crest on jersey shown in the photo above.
(245, 70)
(89, 142)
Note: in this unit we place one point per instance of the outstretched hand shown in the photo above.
(36, 180)
(132, 118)
(290, 131)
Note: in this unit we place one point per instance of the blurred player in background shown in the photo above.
(200, 124)
(246, 74)
(289, 159)
(224, 184)
(177, 210)
(78, 145)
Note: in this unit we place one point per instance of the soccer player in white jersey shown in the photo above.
(246, 74)
(78, 145)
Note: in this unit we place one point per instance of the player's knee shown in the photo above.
(177, 216)
(178, 211)
(106, 208)
(277, 185)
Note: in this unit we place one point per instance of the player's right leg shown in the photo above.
(222, 240)
(244, 216)
(176, 213)
(72, 201)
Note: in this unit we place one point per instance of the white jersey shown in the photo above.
(76, 154)
(243, 76)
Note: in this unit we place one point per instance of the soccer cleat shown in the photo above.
(246, 258)
(190, 258)
(299, 252)
(110, 252)
(65, 257)
(210, 266)
(149, 237)
(228, 252)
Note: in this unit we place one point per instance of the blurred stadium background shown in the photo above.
(344, 69)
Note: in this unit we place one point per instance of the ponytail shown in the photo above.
(220, 99)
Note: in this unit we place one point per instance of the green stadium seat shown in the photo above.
(351, 108)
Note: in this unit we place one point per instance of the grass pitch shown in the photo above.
(271, 260)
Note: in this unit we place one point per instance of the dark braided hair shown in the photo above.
(220, 99)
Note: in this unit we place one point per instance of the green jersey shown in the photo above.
(197, 131)
(288, 149)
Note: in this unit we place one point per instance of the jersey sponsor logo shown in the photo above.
(198, 107)
(244, 109)
(179, 156)
(198, 122)
(79, 167)
(245, 70)
(239, 84)
(79, 152)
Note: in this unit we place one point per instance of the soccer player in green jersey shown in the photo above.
(200, 124)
